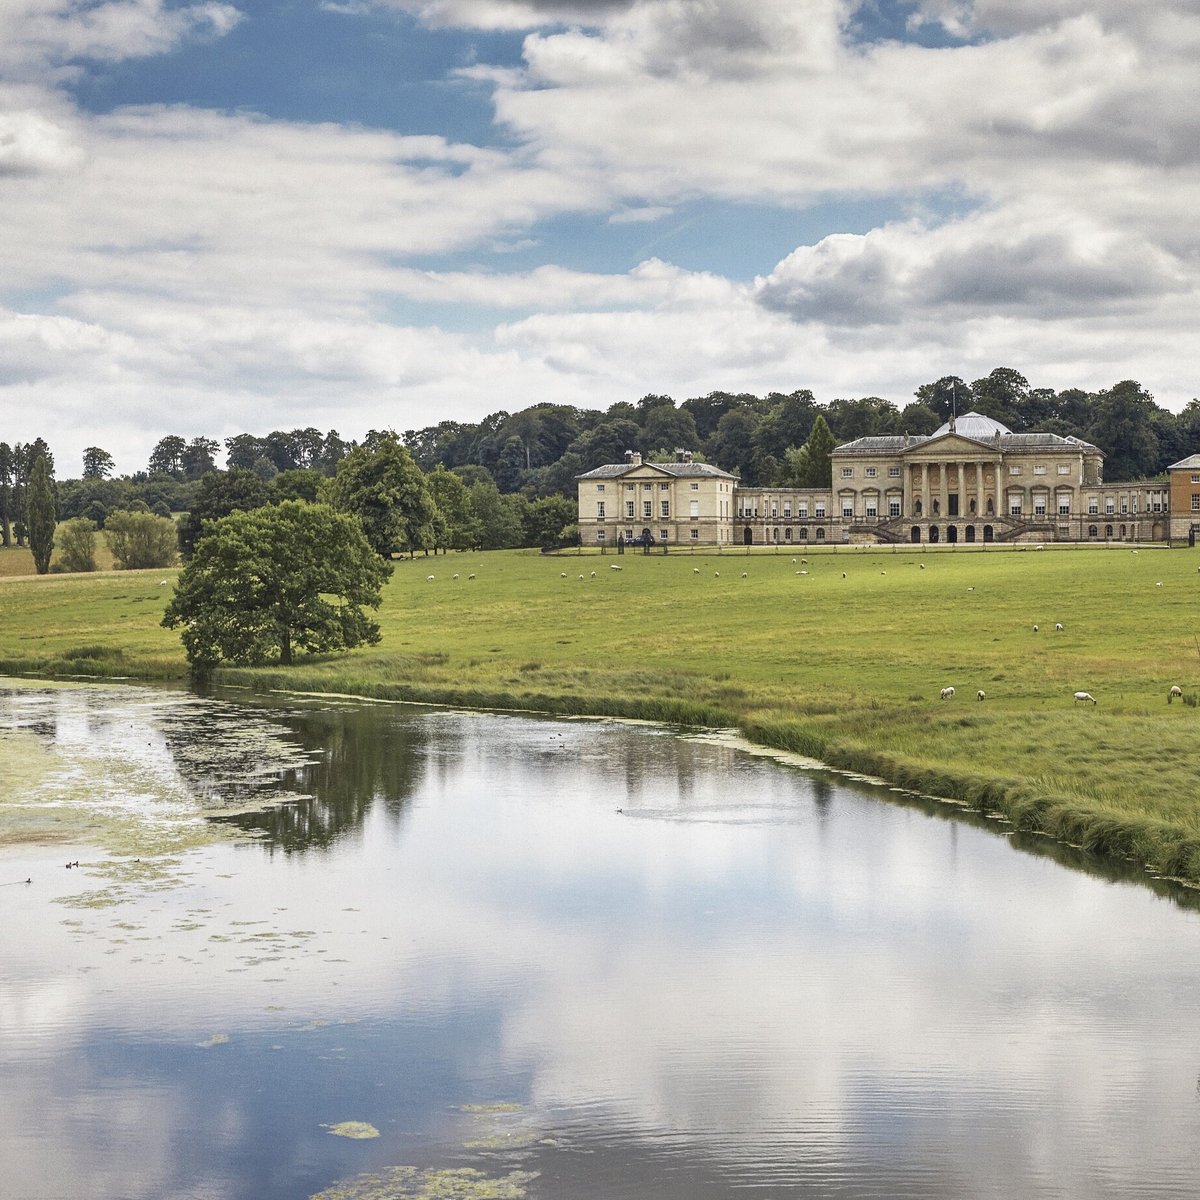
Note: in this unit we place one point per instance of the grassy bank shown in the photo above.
(843, 663)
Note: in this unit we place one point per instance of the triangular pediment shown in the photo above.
(950, 445)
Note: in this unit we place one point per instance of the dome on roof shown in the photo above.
(974, 425)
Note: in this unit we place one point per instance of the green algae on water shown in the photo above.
(414, 1183)
(353, 1129)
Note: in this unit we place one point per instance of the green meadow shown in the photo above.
(843, 663)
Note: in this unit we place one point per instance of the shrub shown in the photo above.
(77, 545)
(140, 539)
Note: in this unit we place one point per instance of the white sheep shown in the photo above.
(430, 578)
(470, 576)
(1175, 693)
(1058, 627)
(593, 574)
(843, 574)
(1035, 629)
(562, 574)
(162, 583)
(921, 565)
(455, 576)
(744, 576)
(581, 577)
(1085, 697)
(981, 694)
(716, 574)
(801, 572)
(611, 567)
(947, 693)
(695, 570)
(1159, 583)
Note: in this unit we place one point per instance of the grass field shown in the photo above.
(843, 663)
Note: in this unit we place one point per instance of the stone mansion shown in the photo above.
(971, 481)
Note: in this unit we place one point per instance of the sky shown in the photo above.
(228, 216)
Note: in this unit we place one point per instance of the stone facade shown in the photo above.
(971, 481)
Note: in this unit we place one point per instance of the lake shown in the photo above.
(319, 947)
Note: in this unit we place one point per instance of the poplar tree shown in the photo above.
(41, 514)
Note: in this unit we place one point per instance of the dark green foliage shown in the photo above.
(267, 583)
(379, 483)
(221, 493)
(810, 466)
(97, 463)
(42, 515)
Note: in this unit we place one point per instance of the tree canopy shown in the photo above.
(266, 583)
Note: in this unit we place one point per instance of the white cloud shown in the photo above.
(242, 269)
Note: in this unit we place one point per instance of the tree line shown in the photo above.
(509, 480)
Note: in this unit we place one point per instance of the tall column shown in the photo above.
(925, 491)
(943, 490)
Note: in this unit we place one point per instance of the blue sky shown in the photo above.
(239, 215)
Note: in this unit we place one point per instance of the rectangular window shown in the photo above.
(599, 510)
(1014, 470)
(802, 511)
(787, 512)
(1064, 508)
(870, 472)
(894, 472)
(665, 505)
(1109, 508)
(1093, 507)
(647, 487)
(629, 535)
(774, 513)
(629, 509)
(1064, 468)
(820, 509)
(1196, 502)
(1039, 469)
(664, 535)
(599, 535)
(1039, 508)
(1124, 507)
(871, 510)
(1014, 507)
(695, 487)
(1196, 478)
(893, 508)
(647, 509)
(694, 509)
(695, 534)
(847, 510)
(847, 472)
(629, 487)
(662, 487)
(599, 487)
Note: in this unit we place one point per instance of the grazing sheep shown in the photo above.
(744, 576)
(581, 577)
(921, 565)
(801, 572)
(716, 574)
(981, 694)
(430, 578)
(1035, 629)
(1176, 692)
(1159, 583)
(1085, 697)
(470, 576)
(793, 562)
(455, 576)
(163, 582)
(883, 572)
(696, 570)
(843, 574)
(611, 567)
(947, 693)
(970, 589)
(562, 574)
(593, 574)
(1058, 627)
(1133, 552)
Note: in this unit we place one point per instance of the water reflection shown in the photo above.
(630, 963)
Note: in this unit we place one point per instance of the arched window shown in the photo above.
(820, 535)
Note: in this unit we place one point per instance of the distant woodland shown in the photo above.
(517, 470)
